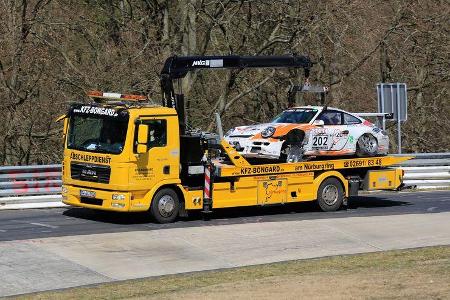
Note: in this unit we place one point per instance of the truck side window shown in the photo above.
(157, 133)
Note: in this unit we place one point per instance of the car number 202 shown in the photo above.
(320, 141)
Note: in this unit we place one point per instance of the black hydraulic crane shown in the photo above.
(176, 67)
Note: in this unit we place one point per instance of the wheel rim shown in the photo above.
(166, 206)
(369, 143)
(330, 194)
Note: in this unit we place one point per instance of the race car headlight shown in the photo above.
(268, 132)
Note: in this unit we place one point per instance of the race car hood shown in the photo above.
(252, 130)
(247, 131)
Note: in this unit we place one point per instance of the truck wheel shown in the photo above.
(330, 195)
(165, 206)
(367, 145)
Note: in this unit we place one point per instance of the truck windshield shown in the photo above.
(97, 133)
(297, 116)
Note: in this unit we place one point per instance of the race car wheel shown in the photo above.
(330, 195)
(367, 145)
(165, 206)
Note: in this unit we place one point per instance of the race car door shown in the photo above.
(333, 135)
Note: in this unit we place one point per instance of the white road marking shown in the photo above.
(44, 225)
(431, 208)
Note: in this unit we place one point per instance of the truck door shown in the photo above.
(161, 161)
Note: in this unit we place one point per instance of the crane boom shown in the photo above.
(176, 67)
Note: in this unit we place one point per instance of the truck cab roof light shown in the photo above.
(116, 96)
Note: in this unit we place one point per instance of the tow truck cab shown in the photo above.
(116, 155)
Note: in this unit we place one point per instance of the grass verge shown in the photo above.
(412, 274)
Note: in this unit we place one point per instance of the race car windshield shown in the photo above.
(97, 133)
(298, 116)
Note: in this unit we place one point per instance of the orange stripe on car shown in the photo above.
(283, 129)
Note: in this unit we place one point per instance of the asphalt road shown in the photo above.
(41, 223)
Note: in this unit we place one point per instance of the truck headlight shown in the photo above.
(118, 196)
(64, 190)
(268, 132)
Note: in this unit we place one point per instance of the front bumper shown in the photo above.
(257, 148)
(103, 200)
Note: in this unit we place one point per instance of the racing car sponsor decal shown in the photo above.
(90, 158)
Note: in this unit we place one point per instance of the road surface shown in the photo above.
(45, 249)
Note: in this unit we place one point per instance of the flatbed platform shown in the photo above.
(240, 167)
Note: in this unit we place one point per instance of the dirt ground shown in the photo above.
(408, 274)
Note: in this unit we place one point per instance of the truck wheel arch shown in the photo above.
(176, 187)
(329, 174)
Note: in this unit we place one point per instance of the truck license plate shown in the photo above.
(88, 194)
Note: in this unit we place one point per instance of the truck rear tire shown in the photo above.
(165, 206)
(330, 195)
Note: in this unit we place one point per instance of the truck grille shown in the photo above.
(88, 172)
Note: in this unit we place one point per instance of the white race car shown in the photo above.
(309, 131)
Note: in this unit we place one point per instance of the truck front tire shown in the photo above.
(330, 195)
(165, 206)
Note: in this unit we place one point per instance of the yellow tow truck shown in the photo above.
(123, 153)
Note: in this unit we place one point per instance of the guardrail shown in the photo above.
(30, 186)
(427, 170)
(41, 185)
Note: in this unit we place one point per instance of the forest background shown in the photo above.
(53, 51)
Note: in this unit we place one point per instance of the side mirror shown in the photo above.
(142, 138)
(319, 123)
(66, 123)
